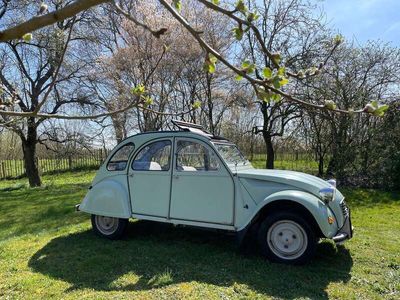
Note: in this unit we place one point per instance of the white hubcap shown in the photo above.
(287, 239)
(106, 225)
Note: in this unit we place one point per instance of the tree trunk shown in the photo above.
(270, 151)
(320, 166)
(118, 129)
(30, 163)
(29, 150)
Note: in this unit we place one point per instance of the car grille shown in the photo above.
(344, 208)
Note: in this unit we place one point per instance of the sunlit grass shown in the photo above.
(48, 251)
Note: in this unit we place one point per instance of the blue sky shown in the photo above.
(365, 19)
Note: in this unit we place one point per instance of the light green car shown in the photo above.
(190, 177)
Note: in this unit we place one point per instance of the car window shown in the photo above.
(193, 156)
(154, 157)
(120, 158)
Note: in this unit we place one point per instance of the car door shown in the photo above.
(149, 179)
(202, 187)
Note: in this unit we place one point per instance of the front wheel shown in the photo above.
(109, 227)
(286, 237)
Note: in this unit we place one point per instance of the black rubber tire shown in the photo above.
(292, 216)
(115, 235)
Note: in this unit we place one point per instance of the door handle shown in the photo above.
(176, 176)
(131, 175)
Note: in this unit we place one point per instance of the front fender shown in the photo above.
(107, 198)
(315, 206)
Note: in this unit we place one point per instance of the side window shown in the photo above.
(120, 158)
(192, 156)
(154, 157)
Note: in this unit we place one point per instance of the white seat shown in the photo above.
(154, 166)
(188, 168)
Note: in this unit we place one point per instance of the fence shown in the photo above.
(297, 161)
(87, 160)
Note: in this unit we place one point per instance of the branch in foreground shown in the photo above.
(89, 117)
(264, 86)
(36, 23)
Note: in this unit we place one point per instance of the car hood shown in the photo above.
(301, 181)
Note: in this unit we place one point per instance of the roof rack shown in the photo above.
(195, 128)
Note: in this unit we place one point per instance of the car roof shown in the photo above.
(152, 134)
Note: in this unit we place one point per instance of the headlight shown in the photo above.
(327, 194)
(332, 182)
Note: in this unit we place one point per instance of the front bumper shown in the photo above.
(346, 232)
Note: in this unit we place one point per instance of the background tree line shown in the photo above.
(89, 64)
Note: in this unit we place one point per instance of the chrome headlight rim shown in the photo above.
(327, 194)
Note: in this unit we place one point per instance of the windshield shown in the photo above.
(231, 154)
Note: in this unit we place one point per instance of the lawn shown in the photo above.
(48, 251)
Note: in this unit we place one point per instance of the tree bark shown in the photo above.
(321, 166)
(29, 151)
(270, 150)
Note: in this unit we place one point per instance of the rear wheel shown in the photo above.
(109, 227)
(286, 237)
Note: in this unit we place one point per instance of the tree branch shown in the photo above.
(36, 23)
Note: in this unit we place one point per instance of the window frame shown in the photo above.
(221, 165)
(116, 151)
(150, 143)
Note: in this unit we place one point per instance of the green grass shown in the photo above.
(303, 163)
(48, 251)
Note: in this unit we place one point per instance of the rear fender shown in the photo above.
(108, 198)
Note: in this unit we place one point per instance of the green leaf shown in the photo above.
(276, 58)
(238, 32)
(253, 16)
(216, 2)
(196, 105)
(374, 104)
(284, 81)
(263, 95)
(209, 63)
(281, 71)
(276, 81)
(238, 77)
(276, 98)
(246, 64)
(212, 58)
(248, 67)
(210, 68)
(380, 111)
(27, 37)
(177, 4)
(330, 104)
(147, 101)
(338, 39)
(138, 90)
(267, 72)
(240, 6)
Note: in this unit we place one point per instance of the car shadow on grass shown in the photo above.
(154, 255)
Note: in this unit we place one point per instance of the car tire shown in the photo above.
(286, 237)
(109, 227)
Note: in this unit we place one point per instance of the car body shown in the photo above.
(190, 177)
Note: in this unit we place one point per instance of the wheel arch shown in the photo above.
(308, 206)
(290, 206)
(109, 197)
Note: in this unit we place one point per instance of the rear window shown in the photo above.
(120, 158)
